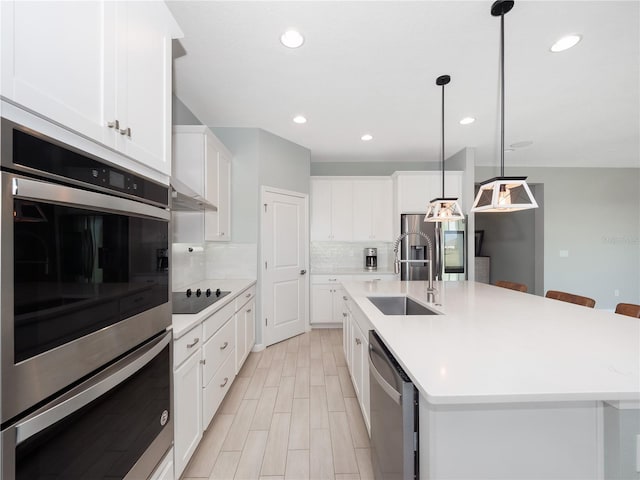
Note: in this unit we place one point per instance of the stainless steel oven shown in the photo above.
(114, 425)
(80, 276)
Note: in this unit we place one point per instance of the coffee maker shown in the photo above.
(370, 258)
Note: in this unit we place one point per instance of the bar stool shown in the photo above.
(571, 298)
(520, 287)
(628, 309)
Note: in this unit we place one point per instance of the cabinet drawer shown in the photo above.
(217, 349)
(214, 392)
(379, 277)
(187, 344)
(332, 279)
(213, 323)
(245, 297)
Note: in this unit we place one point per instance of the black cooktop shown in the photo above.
(194, 302)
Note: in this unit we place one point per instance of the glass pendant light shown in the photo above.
(503, 194)
(443, 209)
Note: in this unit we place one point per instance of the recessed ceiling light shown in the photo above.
(292, 39)
(525, 143)
(565, 43)
(366, 137)
(467, 121)
(299, 119)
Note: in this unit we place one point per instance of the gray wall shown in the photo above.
(180, 113)
(510, 242)
(283, 164)
(593, 215)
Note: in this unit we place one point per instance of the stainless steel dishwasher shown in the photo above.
(394, 415)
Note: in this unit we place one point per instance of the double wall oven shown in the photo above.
(85, 375)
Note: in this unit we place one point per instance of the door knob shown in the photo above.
(302, 272)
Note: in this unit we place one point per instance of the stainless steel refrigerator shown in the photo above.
(449, 248)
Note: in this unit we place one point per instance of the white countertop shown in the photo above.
(494, 345)
(184, 322)
(350, 271)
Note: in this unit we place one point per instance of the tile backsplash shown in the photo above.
(212, 260)
(346, 255)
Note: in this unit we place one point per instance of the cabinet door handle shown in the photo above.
(115, 124)
(333, 279)
(344, 314)
(249, 311)
(222, 234)
(203, 361)
(247, 295)
(358, 341)
(126, 131)
(302, 272)
(344, 297)
(193, 344)
(226, 379)
(226, 344)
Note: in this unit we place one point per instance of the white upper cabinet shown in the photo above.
(53, 56)
(351, 209)
(100, 68)
(138, 96)
(372, 207)
(414, 190)
(203, 164)
(331, 210)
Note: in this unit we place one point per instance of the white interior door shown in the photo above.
(284, 264)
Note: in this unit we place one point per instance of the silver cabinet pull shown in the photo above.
(358, 341)
(125, 131)
(226, 379)
(303, 271)
(203, 361)
(115, 124)
(249, 311)
(193, 344)
(226, 344)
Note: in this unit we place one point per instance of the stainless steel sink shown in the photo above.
(400, 306)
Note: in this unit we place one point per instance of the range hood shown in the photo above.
(185, 199)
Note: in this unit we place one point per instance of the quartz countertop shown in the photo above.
(494, 345)
(350, 271)
(182, 323)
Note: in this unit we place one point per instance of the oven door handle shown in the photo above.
(64, 195)
(87, 392)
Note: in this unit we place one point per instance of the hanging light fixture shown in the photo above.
(443, 209)
(503, 194)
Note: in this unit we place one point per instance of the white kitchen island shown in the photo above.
(513, 385)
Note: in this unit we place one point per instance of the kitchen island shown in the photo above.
(513, 385)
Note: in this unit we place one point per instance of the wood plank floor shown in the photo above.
(290, 414)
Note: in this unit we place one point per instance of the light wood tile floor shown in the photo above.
(291, 413)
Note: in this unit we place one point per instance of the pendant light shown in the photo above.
(443, 209)
(503, 194)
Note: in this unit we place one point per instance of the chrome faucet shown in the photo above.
(397, 262)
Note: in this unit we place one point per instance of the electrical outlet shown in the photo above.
(616, 293)
(564, 253)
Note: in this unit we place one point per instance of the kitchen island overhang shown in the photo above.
(502, 371)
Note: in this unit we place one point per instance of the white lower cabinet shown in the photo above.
(245, 332)
(187, 388)
(356, 346)
(206, 362)
(327, 299)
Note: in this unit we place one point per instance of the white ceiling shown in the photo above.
(370, 67)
